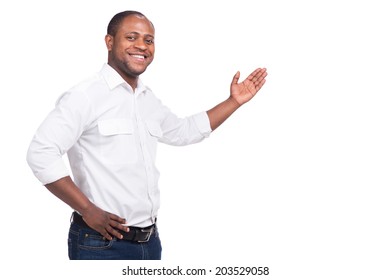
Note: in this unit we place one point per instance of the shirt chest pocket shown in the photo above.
(116, 141)
(154, 129)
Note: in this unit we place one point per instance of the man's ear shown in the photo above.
(109, 42)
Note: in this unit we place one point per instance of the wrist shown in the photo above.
(86, 207)
(233, 102)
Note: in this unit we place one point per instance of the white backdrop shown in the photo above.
(296, 180)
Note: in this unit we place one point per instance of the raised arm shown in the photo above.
(240, 93)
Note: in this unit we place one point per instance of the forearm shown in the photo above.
(104, 222)
(221, 112)
(66, 190)
(240, 93)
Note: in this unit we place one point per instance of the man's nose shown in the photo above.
(140, 44)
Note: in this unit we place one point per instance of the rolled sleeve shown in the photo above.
(53, 173)
(202, 123)
(56, 135)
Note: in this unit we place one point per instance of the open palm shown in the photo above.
(247, 89)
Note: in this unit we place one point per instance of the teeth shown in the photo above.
(138, 56)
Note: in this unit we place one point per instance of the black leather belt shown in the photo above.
(135, 234)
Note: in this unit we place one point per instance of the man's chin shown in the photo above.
(135, 71)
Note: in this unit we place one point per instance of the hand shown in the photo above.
(246, 90)
(101, 221)
(104, 222)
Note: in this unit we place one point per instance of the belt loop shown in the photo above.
(72, 217)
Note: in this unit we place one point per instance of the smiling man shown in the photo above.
(109, 126)
(130, 44)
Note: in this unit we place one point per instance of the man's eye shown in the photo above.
(149, 42)
(131, 38)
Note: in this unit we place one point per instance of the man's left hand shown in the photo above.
(247, 89)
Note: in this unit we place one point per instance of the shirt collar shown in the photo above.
(113, 79)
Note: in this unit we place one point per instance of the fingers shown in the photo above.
(113, 233)
(258, 77)
(116, 218)
(258, 74)
(111, 230)
(107, 224)
(115, 222)
(106, 235)
(108, 232)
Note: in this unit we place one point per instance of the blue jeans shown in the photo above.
(88, 244)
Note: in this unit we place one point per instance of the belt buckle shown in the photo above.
(149, 234)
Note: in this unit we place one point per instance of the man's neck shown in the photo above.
(131, 80)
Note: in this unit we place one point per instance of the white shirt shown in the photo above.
(110, 135)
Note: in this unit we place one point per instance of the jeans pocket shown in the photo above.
(92, 241)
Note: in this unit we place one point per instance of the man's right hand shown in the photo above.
(104, 222)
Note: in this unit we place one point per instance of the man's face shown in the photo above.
(131, 50)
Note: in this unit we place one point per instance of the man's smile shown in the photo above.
(139, 57)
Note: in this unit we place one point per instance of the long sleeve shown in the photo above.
(185, 131)
(56, 135)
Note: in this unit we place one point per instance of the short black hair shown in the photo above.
(116, 21)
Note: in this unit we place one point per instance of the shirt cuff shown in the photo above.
(203, 123)
(53, 173)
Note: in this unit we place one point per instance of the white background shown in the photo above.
(296, 180)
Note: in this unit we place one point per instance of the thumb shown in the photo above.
(236, 77)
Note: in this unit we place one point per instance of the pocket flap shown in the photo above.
(154, 128)
(115, 126)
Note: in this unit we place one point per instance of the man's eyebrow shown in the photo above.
(137, 33)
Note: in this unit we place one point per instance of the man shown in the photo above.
(109, 126)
